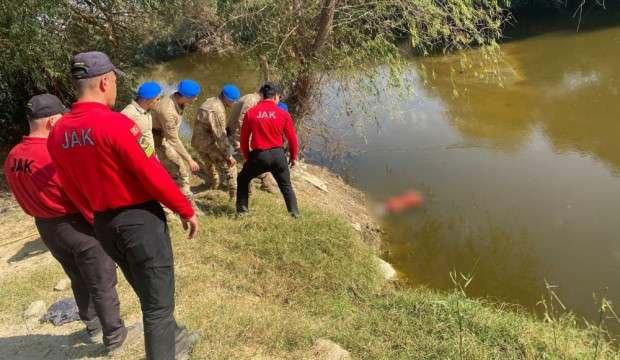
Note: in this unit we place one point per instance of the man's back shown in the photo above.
(267, 125)
(167, 114)
(212, 115)
(33, 179)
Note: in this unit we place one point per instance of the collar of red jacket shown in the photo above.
(268, 101)
(82, 106)
(33, 139)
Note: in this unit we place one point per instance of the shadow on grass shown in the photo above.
(44, 346)
(31, 248)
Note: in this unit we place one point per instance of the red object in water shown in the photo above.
(408, 200)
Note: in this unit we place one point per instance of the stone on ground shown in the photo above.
(387, 270)
(325, 349)
(314, 181)
(63, 284)
(35, 310)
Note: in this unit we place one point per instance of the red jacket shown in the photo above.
(33, 179)
(104, 162)
(268, 125)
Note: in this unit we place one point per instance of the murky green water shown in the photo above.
(521, 178)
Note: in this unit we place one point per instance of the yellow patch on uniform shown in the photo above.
(146, 146)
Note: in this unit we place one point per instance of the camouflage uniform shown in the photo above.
(237, 113)
(167, 118)
(210, 141)
(235, 120)
(144, 120)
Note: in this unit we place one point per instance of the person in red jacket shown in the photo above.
(33, 179)
(106, 169)
(262, 139)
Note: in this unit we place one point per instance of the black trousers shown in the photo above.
(260, 162)
(137, 239)
(92, 272)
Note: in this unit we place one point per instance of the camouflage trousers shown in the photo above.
(177, 167)
(217, 172)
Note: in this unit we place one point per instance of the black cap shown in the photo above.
(44, 105)
(90, 64)
(269, 90)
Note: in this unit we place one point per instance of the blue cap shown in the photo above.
(149, 90)
(283, 106)
(188, 88)
(231, 92)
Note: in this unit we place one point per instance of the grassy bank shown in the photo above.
(267, 286)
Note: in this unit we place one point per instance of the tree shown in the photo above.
(39, 37)
(302, 38)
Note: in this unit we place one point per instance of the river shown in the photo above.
(521, 173)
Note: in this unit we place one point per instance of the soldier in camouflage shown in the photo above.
(167, 119)
(209, 139)
(147, 98)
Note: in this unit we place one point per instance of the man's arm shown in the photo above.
(217, 123)
(234, 119)
(148, 169)
(291, 137)
(244, 140)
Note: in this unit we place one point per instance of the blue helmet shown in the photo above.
(231, 93)
(149, 90)
(283, 106)
(188, 88)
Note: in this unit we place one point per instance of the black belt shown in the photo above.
(271, 149)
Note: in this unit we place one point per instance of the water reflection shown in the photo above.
(568, 86)
(523, 174)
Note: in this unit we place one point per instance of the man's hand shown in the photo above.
(193, 166)
(292, 162)
(231, 161)
(192, 225)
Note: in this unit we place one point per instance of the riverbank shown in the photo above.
(267, 286)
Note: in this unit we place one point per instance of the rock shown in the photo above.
(35, 310)
(328, 350)
(388, 271)
(314, 181)
(63, 284)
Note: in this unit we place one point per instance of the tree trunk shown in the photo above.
(305, 84)
(325, 25)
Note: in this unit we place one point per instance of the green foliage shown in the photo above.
(39, 37)
(363, 31)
